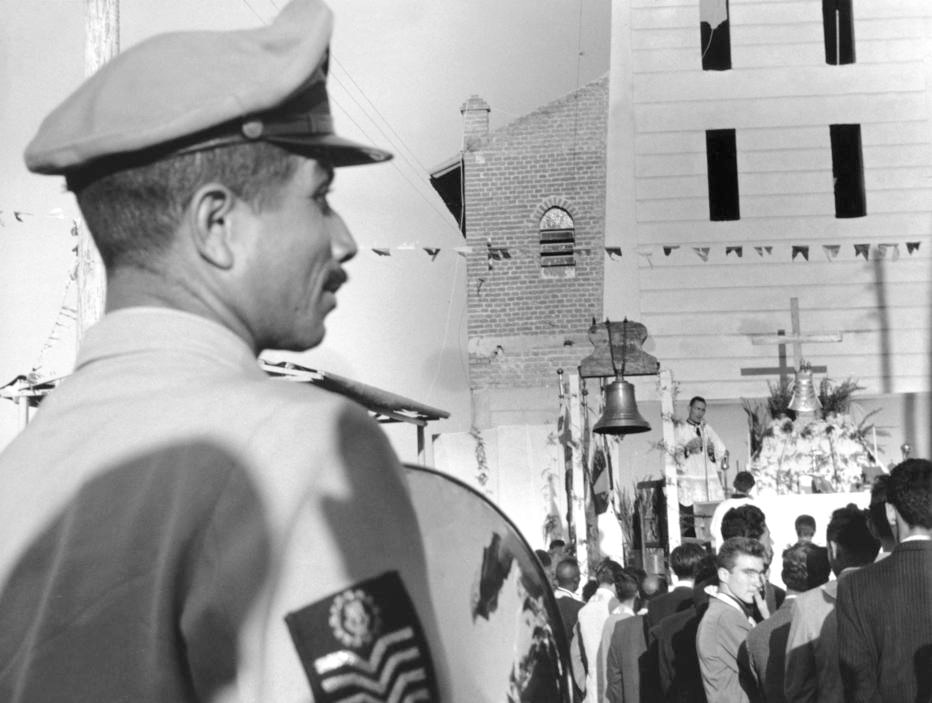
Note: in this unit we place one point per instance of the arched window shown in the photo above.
(557, 240)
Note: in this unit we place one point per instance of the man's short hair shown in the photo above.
(910, 492)
(607, 572)
(685, 559)
(744, 481)
(849, 528)
(695, 399)
(805, 526)
(556, 544)
(733, 547)
(134, 211)
(567, 573)
(627, 585)
(543, 558)
(744, 521)
(878, 508)
(798, 574)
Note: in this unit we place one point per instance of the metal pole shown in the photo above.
(567, 464)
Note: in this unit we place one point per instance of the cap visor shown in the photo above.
(337, 150)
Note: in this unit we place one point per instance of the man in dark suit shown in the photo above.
(683, 560)
(766, 643)
(885, 609)
(818, 566)
(568, 603)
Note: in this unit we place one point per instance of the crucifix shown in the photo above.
(796, 339)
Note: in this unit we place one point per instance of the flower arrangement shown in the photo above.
(830, 450)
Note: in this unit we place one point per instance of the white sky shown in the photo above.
(400, 72)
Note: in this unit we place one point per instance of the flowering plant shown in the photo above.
(829, 449)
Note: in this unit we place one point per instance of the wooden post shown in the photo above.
(669, 465)
(101, 43)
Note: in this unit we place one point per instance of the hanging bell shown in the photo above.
(621, 414)
(804, 396)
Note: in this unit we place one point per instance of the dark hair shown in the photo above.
(805, 526)
(133, 211)
(554, 543)
(706, 568)
(543, 558)
(733, 547)
(607, 571)
(798, 561)
(744, 521)
(685, 559)
(589, 589)
(696, 398)
(849, 528)
(878, 508)
(910, 491)
(627, 585)
(744, 481)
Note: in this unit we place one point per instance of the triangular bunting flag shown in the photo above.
(382, 251)
(463, 251)
(432, 252)
(831, 250)
(19, 215)
(911, 247)
(797, 249)
(74, 229)
(702, 252)
(738, 251)
(763, 250)
(862, 250)
(499, 253)
(586, 251)
(891, 250)
(613, 252)
(667, 250)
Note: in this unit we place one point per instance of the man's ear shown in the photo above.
(211, 223)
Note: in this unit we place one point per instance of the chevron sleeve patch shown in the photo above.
(364, 644)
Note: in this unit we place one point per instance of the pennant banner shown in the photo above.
(737, 251)
(831, 250)
(667, 250)
(797, 249)
(862, 250)
(613, 252)
(911, 247)
(763, 250)
(702, 252)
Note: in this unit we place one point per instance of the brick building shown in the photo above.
(530, 199)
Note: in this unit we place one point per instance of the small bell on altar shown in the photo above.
(804, 395)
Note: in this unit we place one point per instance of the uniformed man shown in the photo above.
(177, 526)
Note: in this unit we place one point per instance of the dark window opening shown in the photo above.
(715, 35)
(838, 25)
(848, 170)
(722, 165)
(557, 239)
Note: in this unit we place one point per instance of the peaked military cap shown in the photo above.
(188, 91)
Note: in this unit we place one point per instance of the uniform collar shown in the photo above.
(141, 330)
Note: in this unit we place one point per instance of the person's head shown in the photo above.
(684, 560)
(881, 524)
(557, 549)
(607, 572)
(627, 586)
(744, 482)
(544, 559)
(201, 163)
(697, 407)
(798, 574)
(747, 521)
(589, 589)
(805, 528)
(740, 564)
(567, 574)
(850, 539)
(909, 492)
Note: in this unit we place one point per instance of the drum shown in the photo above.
(499, 622)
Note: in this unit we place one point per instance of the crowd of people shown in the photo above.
(725, 634)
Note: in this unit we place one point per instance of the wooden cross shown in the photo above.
(796, 339)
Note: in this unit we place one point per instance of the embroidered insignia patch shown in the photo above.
(365, 644)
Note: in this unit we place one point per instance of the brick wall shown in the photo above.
(525, 322)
